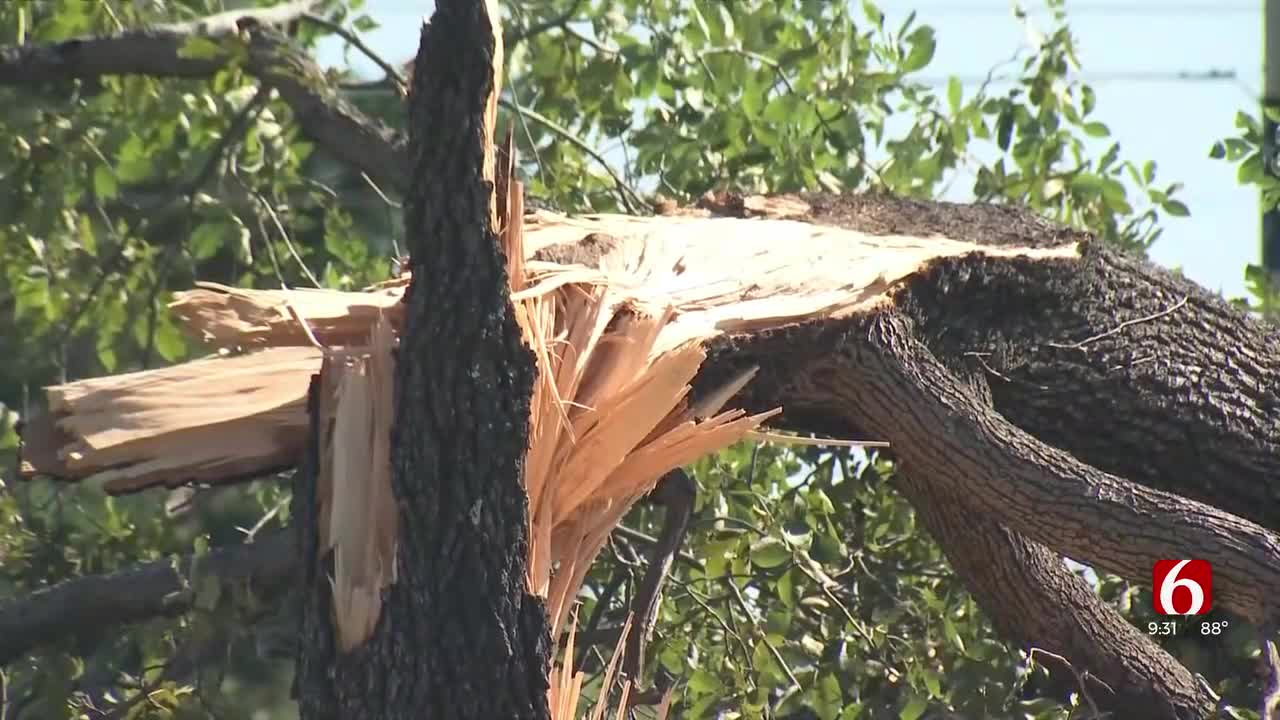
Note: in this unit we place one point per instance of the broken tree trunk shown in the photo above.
(1132, 415)
(459, 635)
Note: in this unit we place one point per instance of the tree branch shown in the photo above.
(151, 590)
(677, 492)
(889, 380)
(345, 132)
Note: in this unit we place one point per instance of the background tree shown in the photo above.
(125, 187)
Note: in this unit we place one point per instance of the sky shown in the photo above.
(1142, 57)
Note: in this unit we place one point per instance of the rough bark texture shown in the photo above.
(1182, 398)
(459, 637)
(1197, 377)
(1035, 600)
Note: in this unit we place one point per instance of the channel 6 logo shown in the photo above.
(1182, 587)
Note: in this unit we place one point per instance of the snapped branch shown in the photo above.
(357, 140)
(150, 590)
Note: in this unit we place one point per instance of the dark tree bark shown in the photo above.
(459, 636)
(1034, 600)
(90, 605)
(1130, 368)
(1107, 380)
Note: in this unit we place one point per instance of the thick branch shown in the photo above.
(92, 603)
(885, 378)
(345, 132)
(1036, 601)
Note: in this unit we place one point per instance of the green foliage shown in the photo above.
(758, 96)
(1245, 150)
(811, 586)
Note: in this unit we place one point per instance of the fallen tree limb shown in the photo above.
(1033, 599)
(893, 383)
(334, 124)
(832, 276)
(156, 589)
(1132, 415)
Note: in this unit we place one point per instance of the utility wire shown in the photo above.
(1212, 75)
(1076, 9)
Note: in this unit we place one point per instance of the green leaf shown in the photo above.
(1096, 129)
(955, 92)
(704, 682)
(923, 44)
(786, 588)
(208, 239)
(105, 186)
(931, 682)
(1004, 129)
(828, 697)
(1176, 208)
(953, 637)
(1218, 151)
(169, 340)
(914, 708)
(133, 163)
(769, 552)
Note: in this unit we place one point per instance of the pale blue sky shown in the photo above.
(1131, 52)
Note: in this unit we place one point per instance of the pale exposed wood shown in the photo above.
(223, 316)
(358, 517)
(617, 346)
(688, 278)
(214, 419)
(723, 274)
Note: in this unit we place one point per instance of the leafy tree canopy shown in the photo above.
(118, 191)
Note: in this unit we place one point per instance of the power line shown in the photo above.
(1212, 75)
(1077, 9)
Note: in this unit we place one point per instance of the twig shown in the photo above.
(1084, 689)
(549, 24)
(981, 358)
(284, 235)
(365, 176)
(251, 533)
(636, 536)
(814, 442)
(724, 626)
(524, 125)
(392, 74)
(755, 623)
(1146, 318)
(630, 198)
(239, 124)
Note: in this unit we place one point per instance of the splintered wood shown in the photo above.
(358, 518)
(617, 344)
(225, 316)
(213, 420)
(610, 416)
(685, 278)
